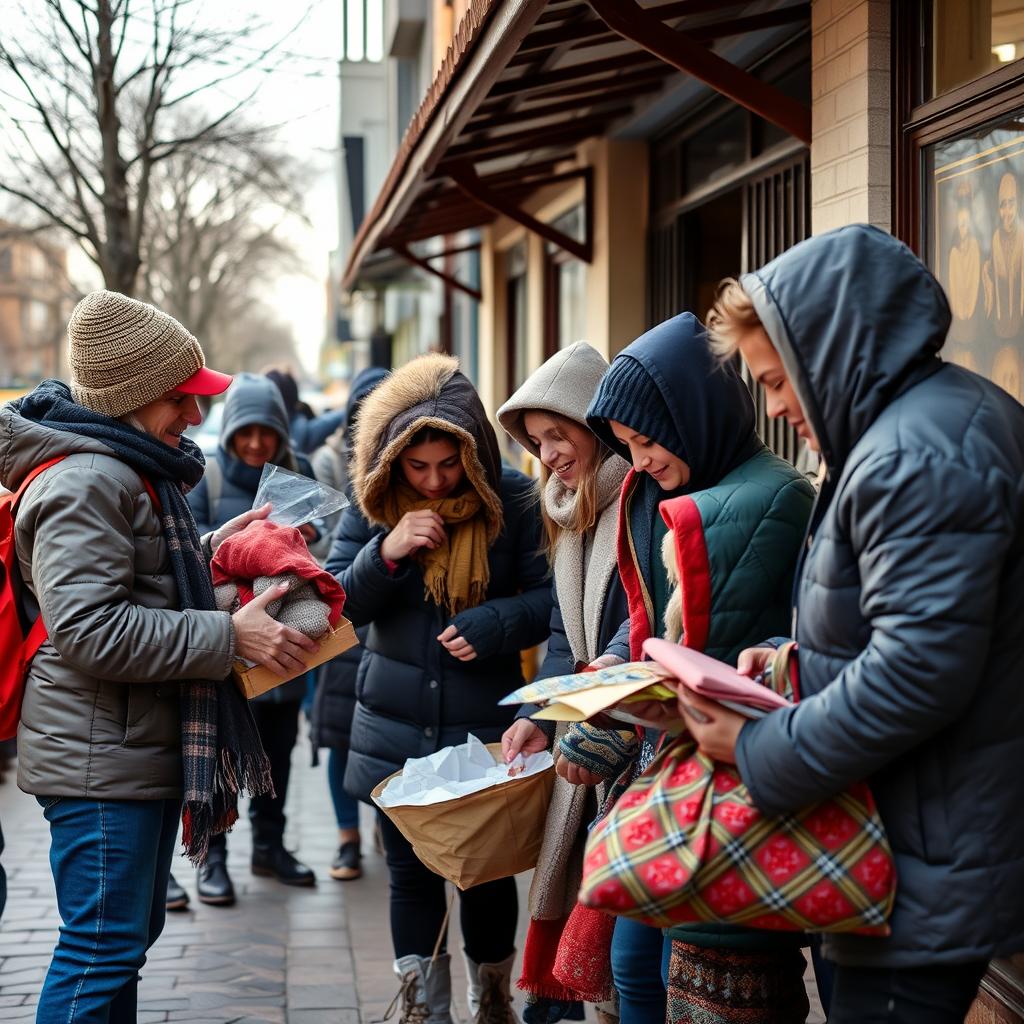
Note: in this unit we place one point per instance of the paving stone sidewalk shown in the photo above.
(279, 956)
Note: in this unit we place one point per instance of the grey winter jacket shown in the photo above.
(100, 715)
(909, 614)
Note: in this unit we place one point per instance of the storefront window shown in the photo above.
(516, 317)
(975, 205)
(565, 293)
(972, 38)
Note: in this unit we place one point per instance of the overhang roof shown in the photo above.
(526, 81)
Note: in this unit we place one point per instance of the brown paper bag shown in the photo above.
(256, 680)
(480, 837)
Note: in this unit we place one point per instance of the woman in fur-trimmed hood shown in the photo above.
(442, 558)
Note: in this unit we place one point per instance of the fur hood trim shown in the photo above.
(429, 391)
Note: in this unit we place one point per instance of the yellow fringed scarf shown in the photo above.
(455, 574)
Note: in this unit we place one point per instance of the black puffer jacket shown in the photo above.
(414, 697)
(910, 621)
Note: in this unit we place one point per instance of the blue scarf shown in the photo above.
(221, 750)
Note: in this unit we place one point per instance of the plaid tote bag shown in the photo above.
(685, 843)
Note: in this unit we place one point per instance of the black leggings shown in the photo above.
(904, 995)
(488, 912)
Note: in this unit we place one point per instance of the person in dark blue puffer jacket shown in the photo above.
(443, 558)
(908, 617)
(254, 432)
(335, 701)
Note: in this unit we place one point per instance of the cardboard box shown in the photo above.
(258, 679)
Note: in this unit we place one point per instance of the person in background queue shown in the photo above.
(335, 701)
(254, 432)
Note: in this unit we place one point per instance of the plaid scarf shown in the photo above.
(221, 752)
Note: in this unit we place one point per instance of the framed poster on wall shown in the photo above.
(975, 220)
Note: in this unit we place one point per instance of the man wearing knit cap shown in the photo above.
(129, 719)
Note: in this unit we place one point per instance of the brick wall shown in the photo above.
(850, 152)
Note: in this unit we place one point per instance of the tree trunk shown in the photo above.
(119, 258)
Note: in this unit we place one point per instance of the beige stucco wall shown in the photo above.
(615, 279)
(850, 87)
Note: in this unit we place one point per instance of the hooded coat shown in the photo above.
(251, 400)
(100, 715)
(413, 697)
(908, 601)
(565, 386)
(335, 701)
(737, 523)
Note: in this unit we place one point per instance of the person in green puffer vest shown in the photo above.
(738, 515)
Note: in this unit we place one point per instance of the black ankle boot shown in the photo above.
(213, 882)
(274, 861)
(177, 898)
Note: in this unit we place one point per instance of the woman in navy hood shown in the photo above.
(909, 621)
(687, 425)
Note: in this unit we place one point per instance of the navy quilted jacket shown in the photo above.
(910, 616)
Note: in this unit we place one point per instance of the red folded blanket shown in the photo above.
(266, 549)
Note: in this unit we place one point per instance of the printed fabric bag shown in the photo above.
(685, 843)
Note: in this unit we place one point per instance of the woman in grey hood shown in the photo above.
(582, 480)
(907, 616)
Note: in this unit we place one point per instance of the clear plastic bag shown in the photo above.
(296, 499)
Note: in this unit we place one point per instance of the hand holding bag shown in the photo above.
(685, 843)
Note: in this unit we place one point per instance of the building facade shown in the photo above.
(606, 162)
(35, 302)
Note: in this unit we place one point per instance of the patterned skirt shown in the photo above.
(733, 986)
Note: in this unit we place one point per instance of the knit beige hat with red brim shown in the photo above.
(125, 353)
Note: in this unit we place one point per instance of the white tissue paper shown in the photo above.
(454, 772)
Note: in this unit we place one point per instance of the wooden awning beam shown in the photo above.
(573, 106)
(594, 31)
(603, 68)
(452, 282)
(534, 138)
(453, 251)
(463, 173)
(641, 26)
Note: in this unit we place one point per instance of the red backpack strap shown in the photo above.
(18, 494)
(151, 491)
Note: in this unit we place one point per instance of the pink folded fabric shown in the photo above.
(712, 678)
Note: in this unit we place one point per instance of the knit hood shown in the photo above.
(430, 391)
(668, 386)
(855, 317)
(565, 385)
(253, 400)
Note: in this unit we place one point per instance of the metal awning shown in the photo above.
(526, 81)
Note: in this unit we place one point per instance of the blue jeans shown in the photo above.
(637, 955)
(110, 860)
(346, 808)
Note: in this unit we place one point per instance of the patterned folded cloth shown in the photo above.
(605, 752)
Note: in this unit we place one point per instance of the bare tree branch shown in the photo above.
(99, 89)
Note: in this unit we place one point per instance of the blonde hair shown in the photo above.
(586, 508)
(732, 315)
